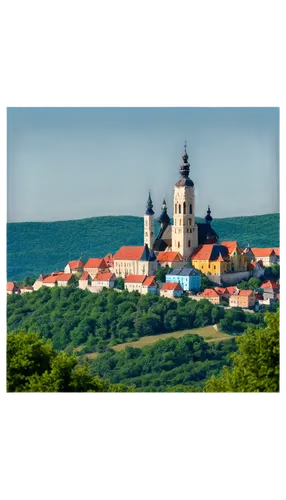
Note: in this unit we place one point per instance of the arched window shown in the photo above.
(191, 209)
(184, 207)
(176, 208)
(180, 222)
(179, 208)
(189, 243)
(178, 244)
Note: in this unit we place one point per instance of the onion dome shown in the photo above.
(208, 217)
(149, 206)
(164, 217)
(185, 170)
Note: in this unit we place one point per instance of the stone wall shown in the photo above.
(230, 279)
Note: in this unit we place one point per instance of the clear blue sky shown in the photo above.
(72, 163)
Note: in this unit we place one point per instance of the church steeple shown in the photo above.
(149, 206)
(164, 217)
(208, 217)
(185, 170)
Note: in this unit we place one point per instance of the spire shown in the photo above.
(149, 206)
(208, 217)
(164, 217)
(185, 170)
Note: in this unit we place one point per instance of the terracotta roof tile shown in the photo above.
(220, 290)
(169, 257)
(263, 252)
(84, 276)
(231, 289)
(245, 293)
(95, 263)
(64, 277)
(10, 286)
(104, 277)
(231, 246)
(270, 284)
(135, 278)
(76, 264)
(171, 286)
(129, 253)
(51, 278)
(209, 292)
(150, 281)
(277, 251)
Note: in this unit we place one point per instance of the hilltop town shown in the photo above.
(185, 250)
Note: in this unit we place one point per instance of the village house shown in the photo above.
(211, 295)
(26, 289)
(84, 281)
(11, 288)
(225, 293)
(171, 290)
(95, 266)
(188, 277)
(109, 262)
(170, 259)
(270, 289)
(135, 260)
(242, 298)
(149, 285)
(74, 267)
(266, 255)
(134, 282)
(64, 279)
(217, 259)
(103, 280)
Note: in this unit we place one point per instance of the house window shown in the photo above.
(191, 209)
(184, 207)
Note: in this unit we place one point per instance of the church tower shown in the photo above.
(184, 229)
(149, 223)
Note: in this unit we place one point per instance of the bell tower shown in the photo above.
(184, 229)
(149, 223)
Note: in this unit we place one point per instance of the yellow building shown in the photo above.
(218, 259)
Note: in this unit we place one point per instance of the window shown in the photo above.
(191, 209)
(176, 208)
(179, 208)
(178, 244)
(184, 207)
(189, 243)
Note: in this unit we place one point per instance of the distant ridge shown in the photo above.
(36, 247)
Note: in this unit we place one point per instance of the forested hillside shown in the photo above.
(36, 247)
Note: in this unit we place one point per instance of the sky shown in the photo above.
(74, 163)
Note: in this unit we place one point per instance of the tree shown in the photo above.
(119, 283)
(161, 274)
(256, 363)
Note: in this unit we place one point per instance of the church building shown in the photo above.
(184, 235)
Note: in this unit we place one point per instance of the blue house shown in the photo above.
(188, 277)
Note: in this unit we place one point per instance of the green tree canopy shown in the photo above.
(255, 365)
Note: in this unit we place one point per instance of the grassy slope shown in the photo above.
(209, 333)
(35, 247)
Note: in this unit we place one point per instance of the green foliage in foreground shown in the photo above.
(33, 366)
(177, 365)
(72, 317)
(43, 247)
(255, 365)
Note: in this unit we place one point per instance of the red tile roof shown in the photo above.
(270, 284)
(109, 259)
(277, 251)
(135, 278)
(150, 281)
(203, 252)
(52, 278)
(171, 286)
(76, 264)
(97, 263)
(231, 246)
(84, 276)
(10, 286)
(220, 290)
(209, 292)
(129, 253)
(104, 277)
(64, 277)
(26, 288)
(263, 252)
(169, 257)
(231, 289)
(245, 293)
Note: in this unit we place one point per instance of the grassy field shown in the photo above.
(209, 333)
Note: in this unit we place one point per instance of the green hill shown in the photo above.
(36, 247)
